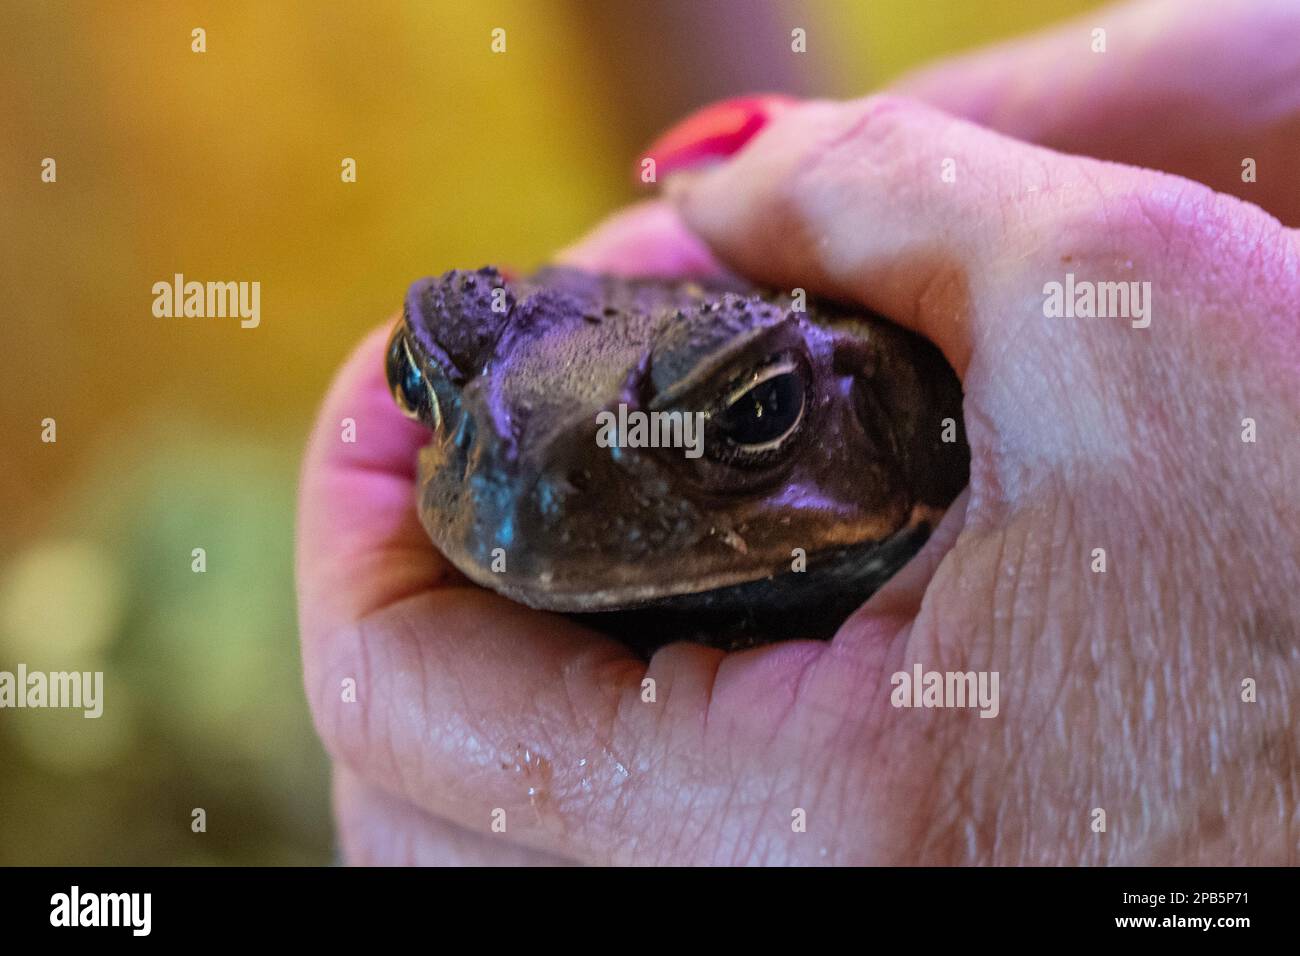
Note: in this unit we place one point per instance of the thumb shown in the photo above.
(906, 210)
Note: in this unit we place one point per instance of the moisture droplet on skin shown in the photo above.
(535, 770)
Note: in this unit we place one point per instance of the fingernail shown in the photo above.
(714, 132)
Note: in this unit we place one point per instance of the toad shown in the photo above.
(793, 454)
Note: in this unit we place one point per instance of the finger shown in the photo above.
(1191, 89)
(648, 239)
(503, 720)
(378, 829)
(964, 235)
(908, 211)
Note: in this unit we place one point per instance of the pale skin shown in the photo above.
(1120, 690)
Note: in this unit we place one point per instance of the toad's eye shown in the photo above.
(410, 389)
(761, 412)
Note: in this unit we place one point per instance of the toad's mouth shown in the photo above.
(811, 604)
(595, 588)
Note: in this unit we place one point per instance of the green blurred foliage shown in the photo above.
(183, 433)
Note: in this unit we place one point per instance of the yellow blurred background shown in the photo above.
(180, 433)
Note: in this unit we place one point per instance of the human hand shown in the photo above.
(1120, 690)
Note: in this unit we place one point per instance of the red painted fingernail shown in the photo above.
(715, 132)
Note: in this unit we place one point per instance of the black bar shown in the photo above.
(214, 906)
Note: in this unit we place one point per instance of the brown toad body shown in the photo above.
(674, 458)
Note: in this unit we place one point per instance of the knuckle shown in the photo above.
(1124, 223)
(874, 137)
(1121, 212)
(845, 159)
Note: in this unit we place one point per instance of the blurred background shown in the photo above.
(174, 434)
